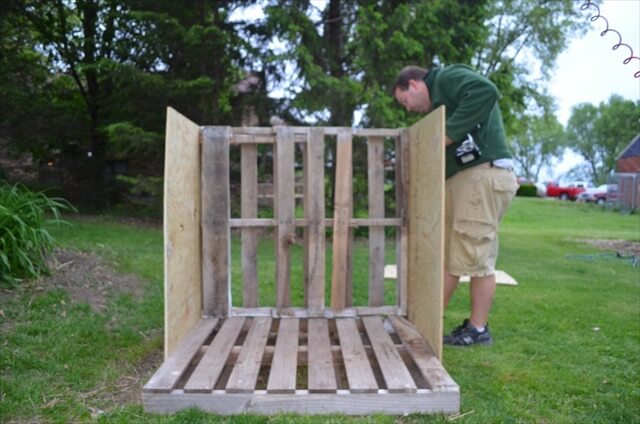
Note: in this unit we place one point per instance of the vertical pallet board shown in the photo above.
(314, 206)
(341, 273)
(216, 237)
(285, 214)
(402, 234)
(249, 209)
(425, 254)
(375, 177)
(182, 246)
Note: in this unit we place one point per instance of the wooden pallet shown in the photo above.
(264, 365)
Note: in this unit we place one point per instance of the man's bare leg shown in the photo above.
(483, 290)
(450, 284)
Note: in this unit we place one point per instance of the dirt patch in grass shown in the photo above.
(623, 247)
(87, 278)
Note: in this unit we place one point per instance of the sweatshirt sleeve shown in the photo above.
(475, 96)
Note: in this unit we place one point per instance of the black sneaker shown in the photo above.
(467, 335)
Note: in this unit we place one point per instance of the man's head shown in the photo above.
(411, 91)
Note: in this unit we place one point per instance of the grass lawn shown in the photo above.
(567, 338)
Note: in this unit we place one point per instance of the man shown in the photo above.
(479, 186)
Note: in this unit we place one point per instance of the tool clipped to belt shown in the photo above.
(467, 151)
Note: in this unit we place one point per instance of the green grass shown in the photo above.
(567, 338)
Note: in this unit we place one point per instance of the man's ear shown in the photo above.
(413, 84)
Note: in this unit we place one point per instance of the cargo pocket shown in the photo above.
(475, 243)
(508, 185)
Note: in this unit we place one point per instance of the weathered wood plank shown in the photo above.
(430, 367)
(249, 210)
(206, 374)
(315, 212)
(359, 373)
(342, 214)
(425, 255)
(216, 238)
(245, 372)
(399, 404)
(402, 236)
(182, 245)
(282, 377)
(285, 214)
(303, 222)
(321, 375)
(172, 369)
(306, 313)
(375, 167)
(395, 373)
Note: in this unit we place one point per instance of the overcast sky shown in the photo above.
(589, 71)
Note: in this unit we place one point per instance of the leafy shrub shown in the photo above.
(527, 190)
(24, 243)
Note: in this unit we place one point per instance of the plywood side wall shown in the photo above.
(182, 244)
(425, 273)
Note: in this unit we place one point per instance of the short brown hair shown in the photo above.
(408, 73)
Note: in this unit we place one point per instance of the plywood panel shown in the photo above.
(341, 273)
(216, 237)
(182, 246)
(425, 276)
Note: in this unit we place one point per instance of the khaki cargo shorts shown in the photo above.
(476, 199)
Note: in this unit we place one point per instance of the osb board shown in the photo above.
(182, 245)
(425, 208)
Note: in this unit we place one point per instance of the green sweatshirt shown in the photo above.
(471, 102)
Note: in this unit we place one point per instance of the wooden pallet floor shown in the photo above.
(260, 365)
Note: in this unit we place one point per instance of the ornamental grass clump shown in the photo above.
(24, 243)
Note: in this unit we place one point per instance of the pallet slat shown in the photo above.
(423, 356)
(375, 167)
(314, 206)
(395, 373)
(321, 375)
(172, 369)
(285, 214)
(216, 238)
(245, 372)
(341, 271)
(359, 371)
(206, 374)
(249, 209)
(282, 377)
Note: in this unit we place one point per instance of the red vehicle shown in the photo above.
(568, 191)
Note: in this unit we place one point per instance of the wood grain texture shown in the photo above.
(285, 214)
(375, 171)
(315, 241)
(341, 272)
(174, 367)
(181, 228)
(425, 278)
(321, 375)
(249, 210)
(216, 236)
